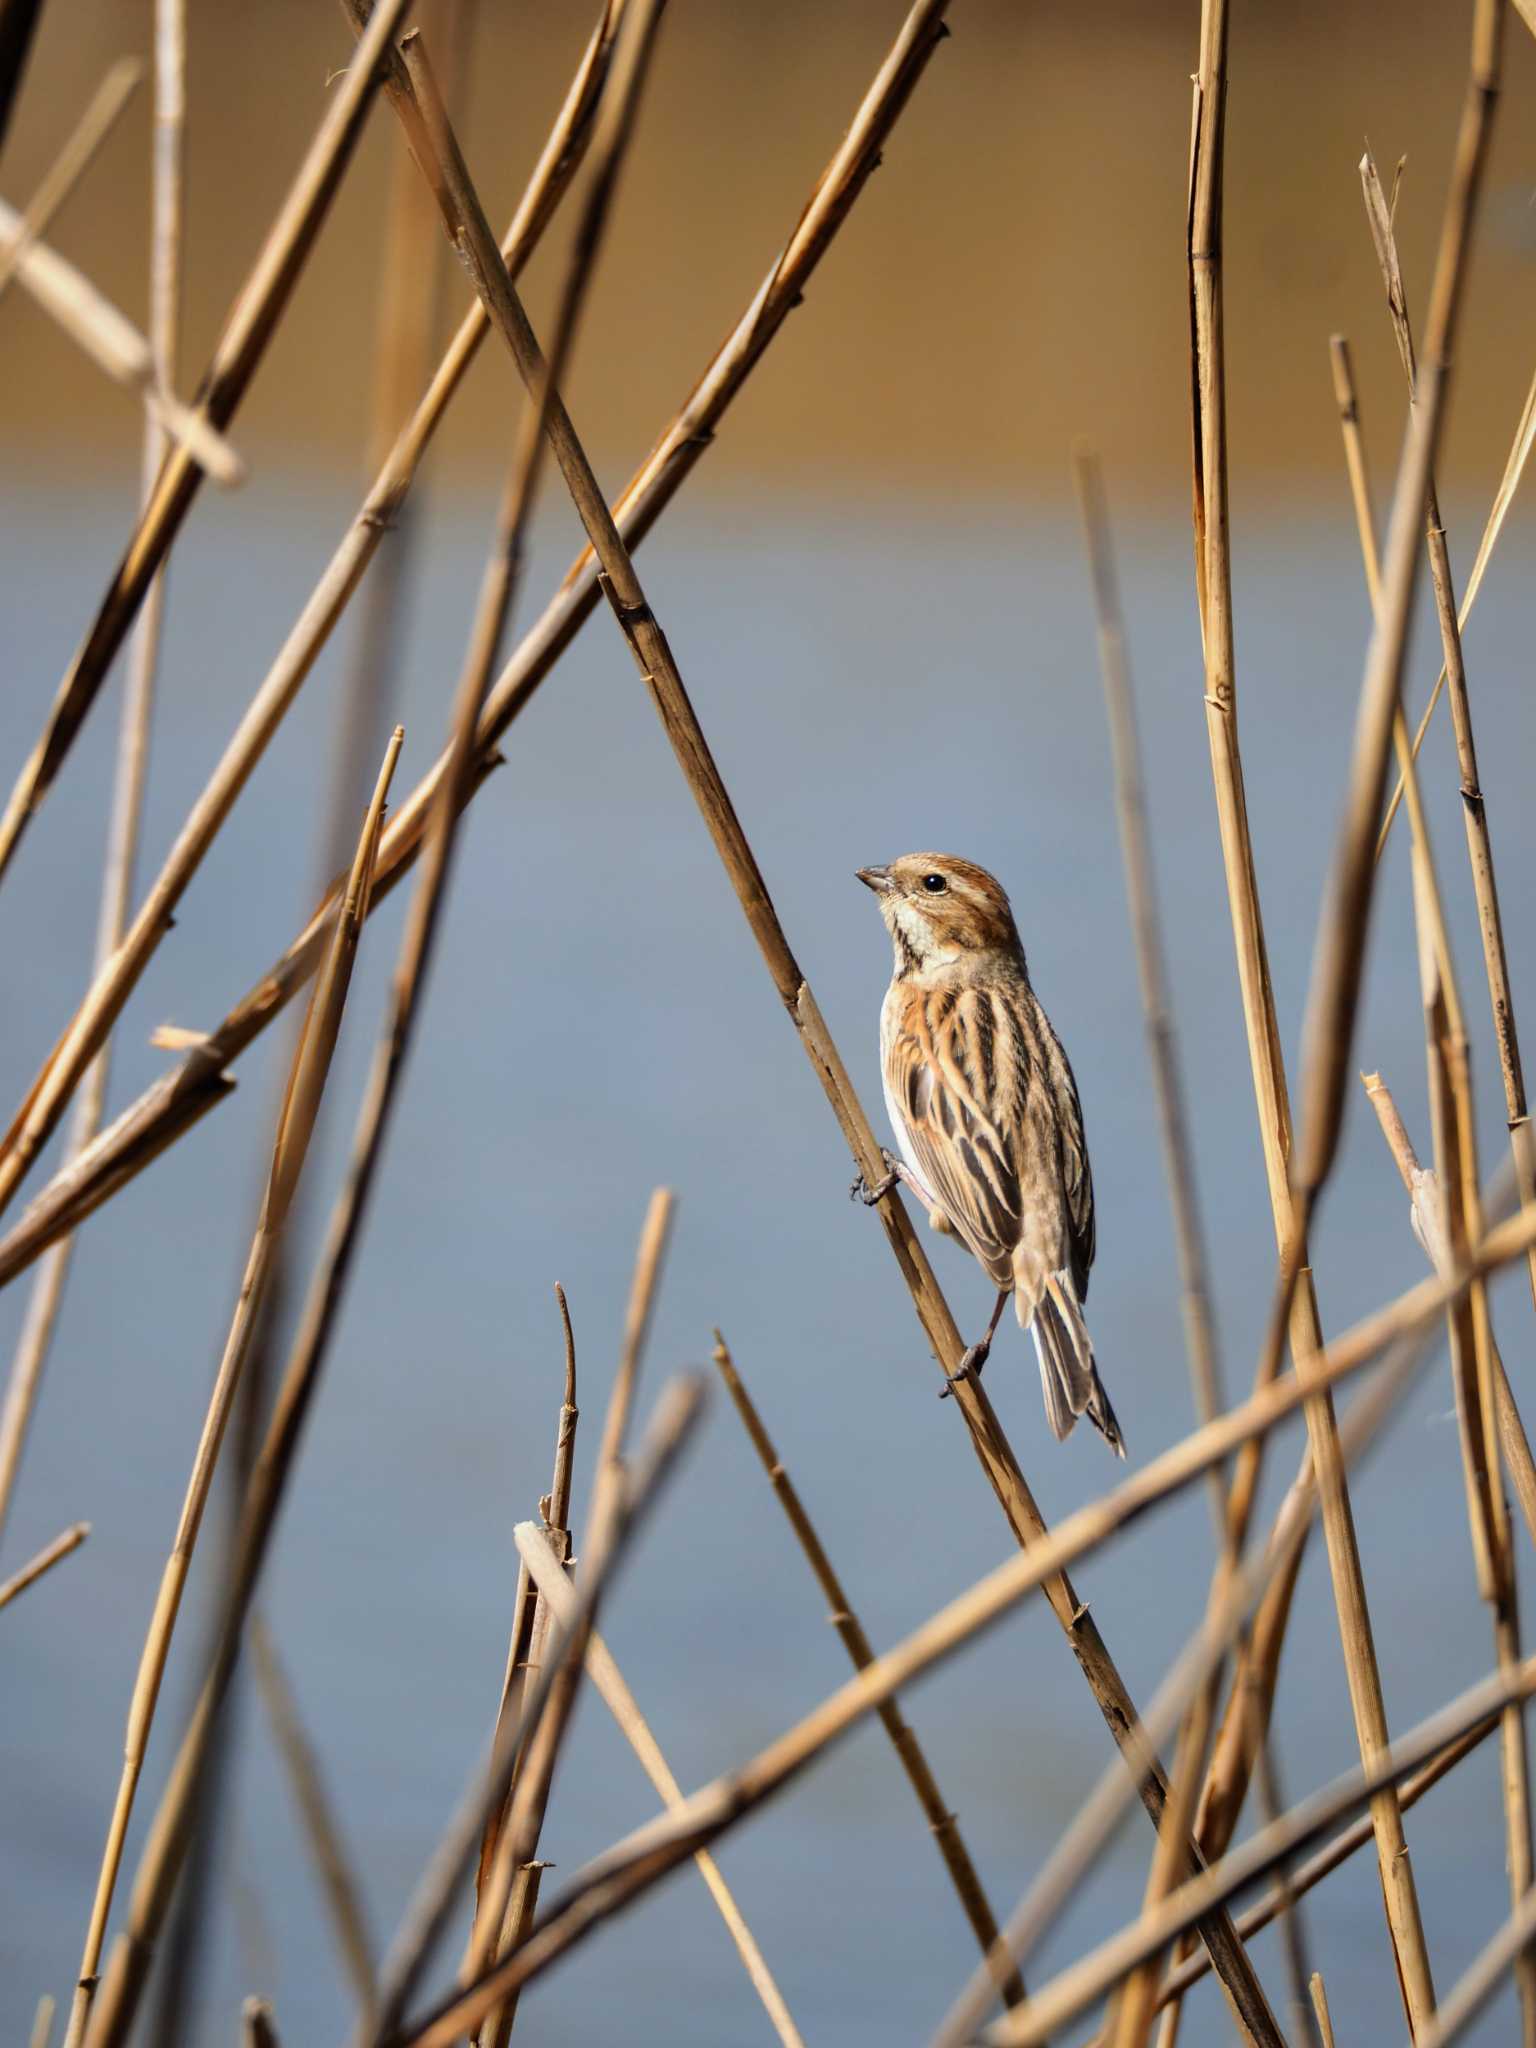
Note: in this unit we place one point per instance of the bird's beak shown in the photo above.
(878, 879)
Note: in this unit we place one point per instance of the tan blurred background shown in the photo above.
(1013, 277)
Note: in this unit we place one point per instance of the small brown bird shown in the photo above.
(986, 1116)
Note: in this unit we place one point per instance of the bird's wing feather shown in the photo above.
(933, 1053)
(1076, 1174)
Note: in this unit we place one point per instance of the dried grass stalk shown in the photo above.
(50, 1555)
(943, 1823)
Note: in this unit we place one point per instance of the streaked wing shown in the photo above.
(939, 1059)
(1076, 1174)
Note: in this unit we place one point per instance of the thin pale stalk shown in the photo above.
(117, 348)
(1320, 2008)
(51, 1554)
(1133, 2018)
(548, 1572)
(42, 2022)
(148, 1125)
(941, 1819)
(73, 160)
(167, 180)
(651, 1252)
(295, 1127)
(338, 1881)
(252, 319)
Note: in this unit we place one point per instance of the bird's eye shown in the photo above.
(934, 883)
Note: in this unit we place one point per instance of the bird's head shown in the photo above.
(942, 911)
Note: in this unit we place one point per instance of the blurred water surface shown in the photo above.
(598, 1021)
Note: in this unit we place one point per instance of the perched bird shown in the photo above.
(986, 1116)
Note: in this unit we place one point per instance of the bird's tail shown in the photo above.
(1068, 1376)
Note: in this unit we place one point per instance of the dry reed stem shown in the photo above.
(547, 1569)
(1293, 1933)
(1493, 526)
(109, 991)
(649, 1255)
(1326, 1860)
(1336, 982)
(464, 217)
(1079, 1848)
(50, 1555)
(943, 1824)
(118, 350)
(257, 2027)
(1137, 2004)
(295, 1127)
(72, 161)
(322, 1831)
(525, 1650)
(42, 2022)
(1087, 1980)
(252, 319)
(1473, 1990)
(621, 1499)
(1320, 2007)
(620, 1874)
(188, 1090)
(407, 330)
(1474, 811)
(134, 726)
(1424, 1215)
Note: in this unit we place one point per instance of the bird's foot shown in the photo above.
(969, 1367)
(861, 1191)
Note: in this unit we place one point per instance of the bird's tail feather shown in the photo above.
(1069, 1377)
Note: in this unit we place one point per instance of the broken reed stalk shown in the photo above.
(547, 1569)
(1424, 1214)
(109, 991)
(466, 222)
(1296, 1180)
(1086, 1981)
(1326, 1860)
(516, 1885)
(258, 2029)
(183, 1095)
(42, 2022)
(621, 1499)
(530, 1615)
(317, 1816)
(73, 160)
(166, 207)
(116, 347)
(295, 1127)
(51, 1554)
(1320, 2008)
(617, 1877)
(1474, 811)
(1097, 1818)
(943, 1823)
(1133, 2018)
